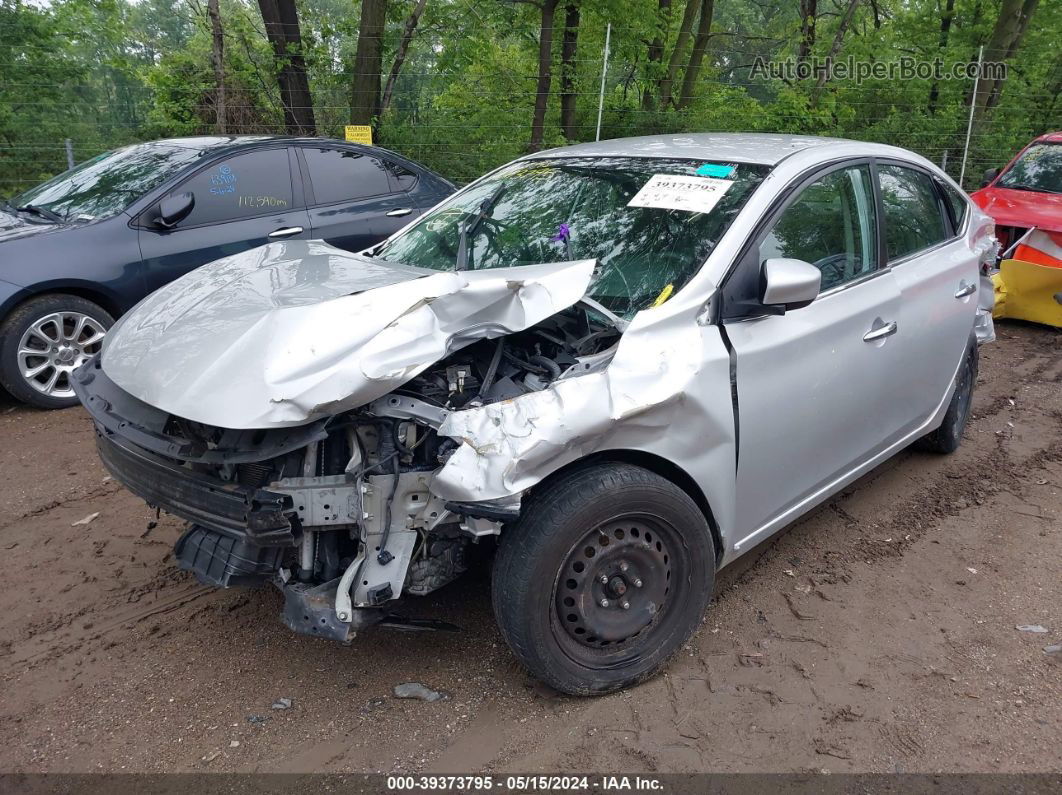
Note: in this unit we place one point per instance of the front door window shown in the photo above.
(832, 225)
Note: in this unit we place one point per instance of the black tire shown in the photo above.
(13, 333)
(948, 437)
(649, 540)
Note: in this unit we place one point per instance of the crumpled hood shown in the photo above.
(289, 332)
(1021, 208)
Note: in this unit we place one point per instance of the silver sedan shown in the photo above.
(623, 364)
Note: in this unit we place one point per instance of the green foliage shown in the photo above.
(183, 94)
(108, 72)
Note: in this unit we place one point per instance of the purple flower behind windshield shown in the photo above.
(563, 233)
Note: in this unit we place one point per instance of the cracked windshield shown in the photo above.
(649, 223)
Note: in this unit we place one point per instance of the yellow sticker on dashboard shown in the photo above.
(664, 295)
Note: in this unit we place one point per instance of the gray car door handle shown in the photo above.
(882, 331)
(965, 289)
(399, 212)
(287, 231)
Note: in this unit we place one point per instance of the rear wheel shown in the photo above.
(43, 341)
(606, 574)
(948, 437)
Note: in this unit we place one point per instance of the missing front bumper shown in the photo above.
(262, 516)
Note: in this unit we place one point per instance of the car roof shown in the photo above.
(205, 142)
(1052, 137)
(764, 148)
(221, 143)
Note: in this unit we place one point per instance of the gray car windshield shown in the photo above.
(650, 223)
(107, 184)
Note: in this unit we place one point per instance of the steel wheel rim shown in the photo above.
(595, 634)
(54, 346)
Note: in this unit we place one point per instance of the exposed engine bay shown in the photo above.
(339, 512)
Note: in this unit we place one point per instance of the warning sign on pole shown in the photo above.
(359, 134)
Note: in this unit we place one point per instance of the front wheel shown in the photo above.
(43, 341)
(606, 574)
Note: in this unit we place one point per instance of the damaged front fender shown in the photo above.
(665, 391)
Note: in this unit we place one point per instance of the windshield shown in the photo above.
(650, 223)
(1039, 169)
(107, 184)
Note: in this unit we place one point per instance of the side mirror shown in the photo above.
(174, 209)
(789, 283)
(988, 176)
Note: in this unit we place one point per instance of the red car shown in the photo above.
(1025, 199)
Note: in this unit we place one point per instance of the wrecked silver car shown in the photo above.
(625, 363)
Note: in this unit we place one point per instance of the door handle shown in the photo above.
(881, 332)
(965, 289)
(287, 231)
(399, 212)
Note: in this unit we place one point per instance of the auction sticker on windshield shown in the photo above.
(673, 192)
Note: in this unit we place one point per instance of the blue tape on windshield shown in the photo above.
(715, 170)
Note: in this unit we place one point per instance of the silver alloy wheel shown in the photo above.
(53, 346)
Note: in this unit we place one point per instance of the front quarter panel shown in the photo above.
(10, 296)
(100, 258)
(666, 392)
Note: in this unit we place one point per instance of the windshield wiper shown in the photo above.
(469, 227)
(43, 212)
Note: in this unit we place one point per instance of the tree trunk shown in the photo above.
(282, 29)
(700, 44)
(368, 60)
(942, 44)
(400, 54)
(1007, 35)
(656, 52)
(835, 47)
(217, 61)
(675, 62)
(545, 74)
(808, 10)
(877, 14)
(568, 70)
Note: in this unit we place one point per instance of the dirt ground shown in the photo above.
(878, 634)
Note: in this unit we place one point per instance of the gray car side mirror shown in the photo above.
(174, 209)
(789, 283)
(988, 176)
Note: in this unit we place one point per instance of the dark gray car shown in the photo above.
(81, 249)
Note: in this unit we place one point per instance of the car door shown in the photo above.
(242, 201)
(815, 387)
(938, 276)
(355, 198)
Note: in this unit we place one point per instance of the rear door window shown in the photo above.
(403, 178)
(340, 175)
(914, 216)
(832, 225)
